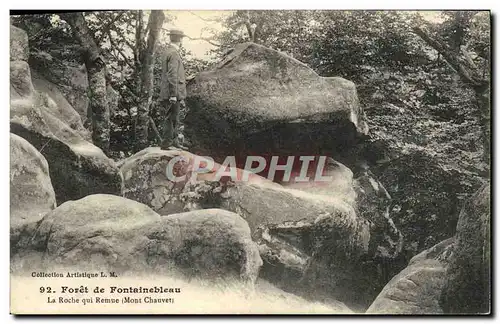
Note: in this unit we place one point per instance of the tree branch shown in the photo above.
(119, 51)
(107, 27)
(139, 39)
(81, 32)
(204, 19)
(129, 44)
(467, 72)
(208, 40)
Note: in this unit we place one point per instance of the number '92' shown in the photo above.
(45, 290)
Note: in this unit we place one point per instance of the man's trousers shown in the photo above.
(170, 124)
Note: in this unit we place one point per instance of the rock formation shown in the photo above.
(417, 288)
(77, 167)
(300, 231)
(58, 105)
(327, 241)
(19, 50)
(262, 102)
(468, 279)
(107, 232)
(453, 277)
(31, 192)
(65, 76)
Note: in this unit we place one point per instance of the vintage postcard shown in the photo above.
(250, 162)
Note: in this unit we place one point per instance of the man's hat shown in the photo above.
(177, 32)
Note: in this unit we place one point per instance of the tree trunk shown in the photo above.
(146, 79)
(96, 73)
(139, 40)
(484, 113)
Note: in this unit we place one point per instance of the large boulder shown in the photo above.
(328, 272)
(268, 204)
(19, 50)
(56, 103)
(315, 244)
(145, 179)
(31, 192)
(297, 231)
(107, 232)
(340, 182)
(20, 73)
(259, 101)
(68, 78)
(468, 285)
(77, 167)
(416, 289)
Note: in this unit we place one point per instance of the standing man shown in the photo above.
(173, 89)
